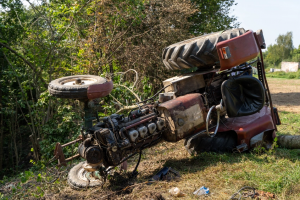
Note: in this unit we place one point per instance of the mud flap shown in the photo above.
(264, 139)
(278, 122)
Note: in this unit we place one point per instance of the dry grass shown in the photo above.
(285, 94)
(277, 172)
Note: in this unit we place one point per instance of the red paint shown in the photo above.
(252, 125)
(242, 49)
(181, 104)
(100, 90)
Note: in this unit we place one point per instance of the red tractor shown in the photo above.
(219, 107)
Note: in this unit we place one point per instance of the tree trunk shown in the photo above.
(1, 130)
(14, 135)
(1, 138)
(35, 147)
(289, 141)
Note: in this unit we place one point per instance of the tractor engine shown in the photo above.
(117, 136)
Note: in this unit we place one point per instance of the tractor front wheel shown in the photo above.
(79, 178)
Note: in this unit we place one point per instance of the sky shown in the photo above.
(274, 17)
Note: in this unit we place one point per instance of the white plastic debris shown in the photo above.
(175, 191)
(201, 191)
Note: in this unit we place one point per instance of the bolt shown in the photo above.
(78, 81)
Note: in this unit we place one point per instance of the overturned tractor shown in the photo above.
(220, 107)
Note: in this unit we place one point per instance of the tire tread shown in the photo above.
(198, 52)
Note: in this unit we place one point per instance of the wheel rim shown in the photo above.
(74, 81)
(82, 175)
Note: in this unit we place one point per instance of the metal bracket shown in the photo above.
(59, 154)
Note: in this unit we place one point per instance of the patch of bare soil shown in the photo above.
(285, 94)
(195, 172)
(120, 186)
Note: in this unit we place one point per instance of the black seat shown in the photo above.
(243, 96)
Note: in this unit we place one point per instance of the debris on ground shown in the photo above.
(264, 195)
(165, 174)
(246, 192)
(175, 191)
(201, 191)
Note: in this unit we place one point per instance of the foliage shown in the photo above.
(212, 16)
(51, 39)
(276, 171)
(280, 51)
(281, 74)
(132, 34)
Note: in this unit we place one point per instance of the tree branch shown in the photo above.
(136, 96)
(27, 62)
(127, 108)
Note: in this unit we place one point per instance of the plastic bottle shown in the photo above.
(201, 191)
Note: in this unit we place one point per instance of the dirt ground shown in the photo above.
(195, 171)
(285, 94)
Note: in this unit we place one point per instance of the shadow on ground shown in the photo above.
(285, 99)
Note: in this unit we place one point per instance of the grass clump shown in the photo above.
(286, 75)
(276, 171)
(290, 123)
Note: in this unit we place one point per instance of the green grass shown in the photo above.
(290, 123)
(286, 75)
(277, 171)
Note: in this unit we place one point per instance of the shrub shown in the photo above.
(292, 76)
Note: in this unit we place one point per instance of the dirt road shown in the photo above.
(285, 94)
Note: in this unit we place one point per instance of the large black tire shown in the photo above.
(197, 52)
(58, 88)
(221, 143)
(77, 179)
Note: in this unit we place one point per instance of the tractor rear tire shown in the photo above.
(63, 87)
(198, 52)
(221, 143)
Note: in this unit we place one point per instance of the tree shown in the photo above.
(285, 45)
(282, 50)
(56, 38)
(212, 16)
(131, 34)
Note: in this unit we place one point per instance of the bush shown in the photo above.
(288, 75)
(292, 76)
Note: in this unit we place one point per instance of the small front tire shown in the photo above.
(77, 178)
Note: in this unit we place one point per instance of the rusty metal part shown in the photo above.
(78, 81)
(92, 154)
(163, 97)
(137, 120)
(184, 84)
(140, 122)
(265, 83)
(72, 142)
(99, 90)
(59, 154)
(184, 116)
(241, 148)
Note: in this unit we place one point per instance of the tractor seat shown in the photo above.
(242, 96)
